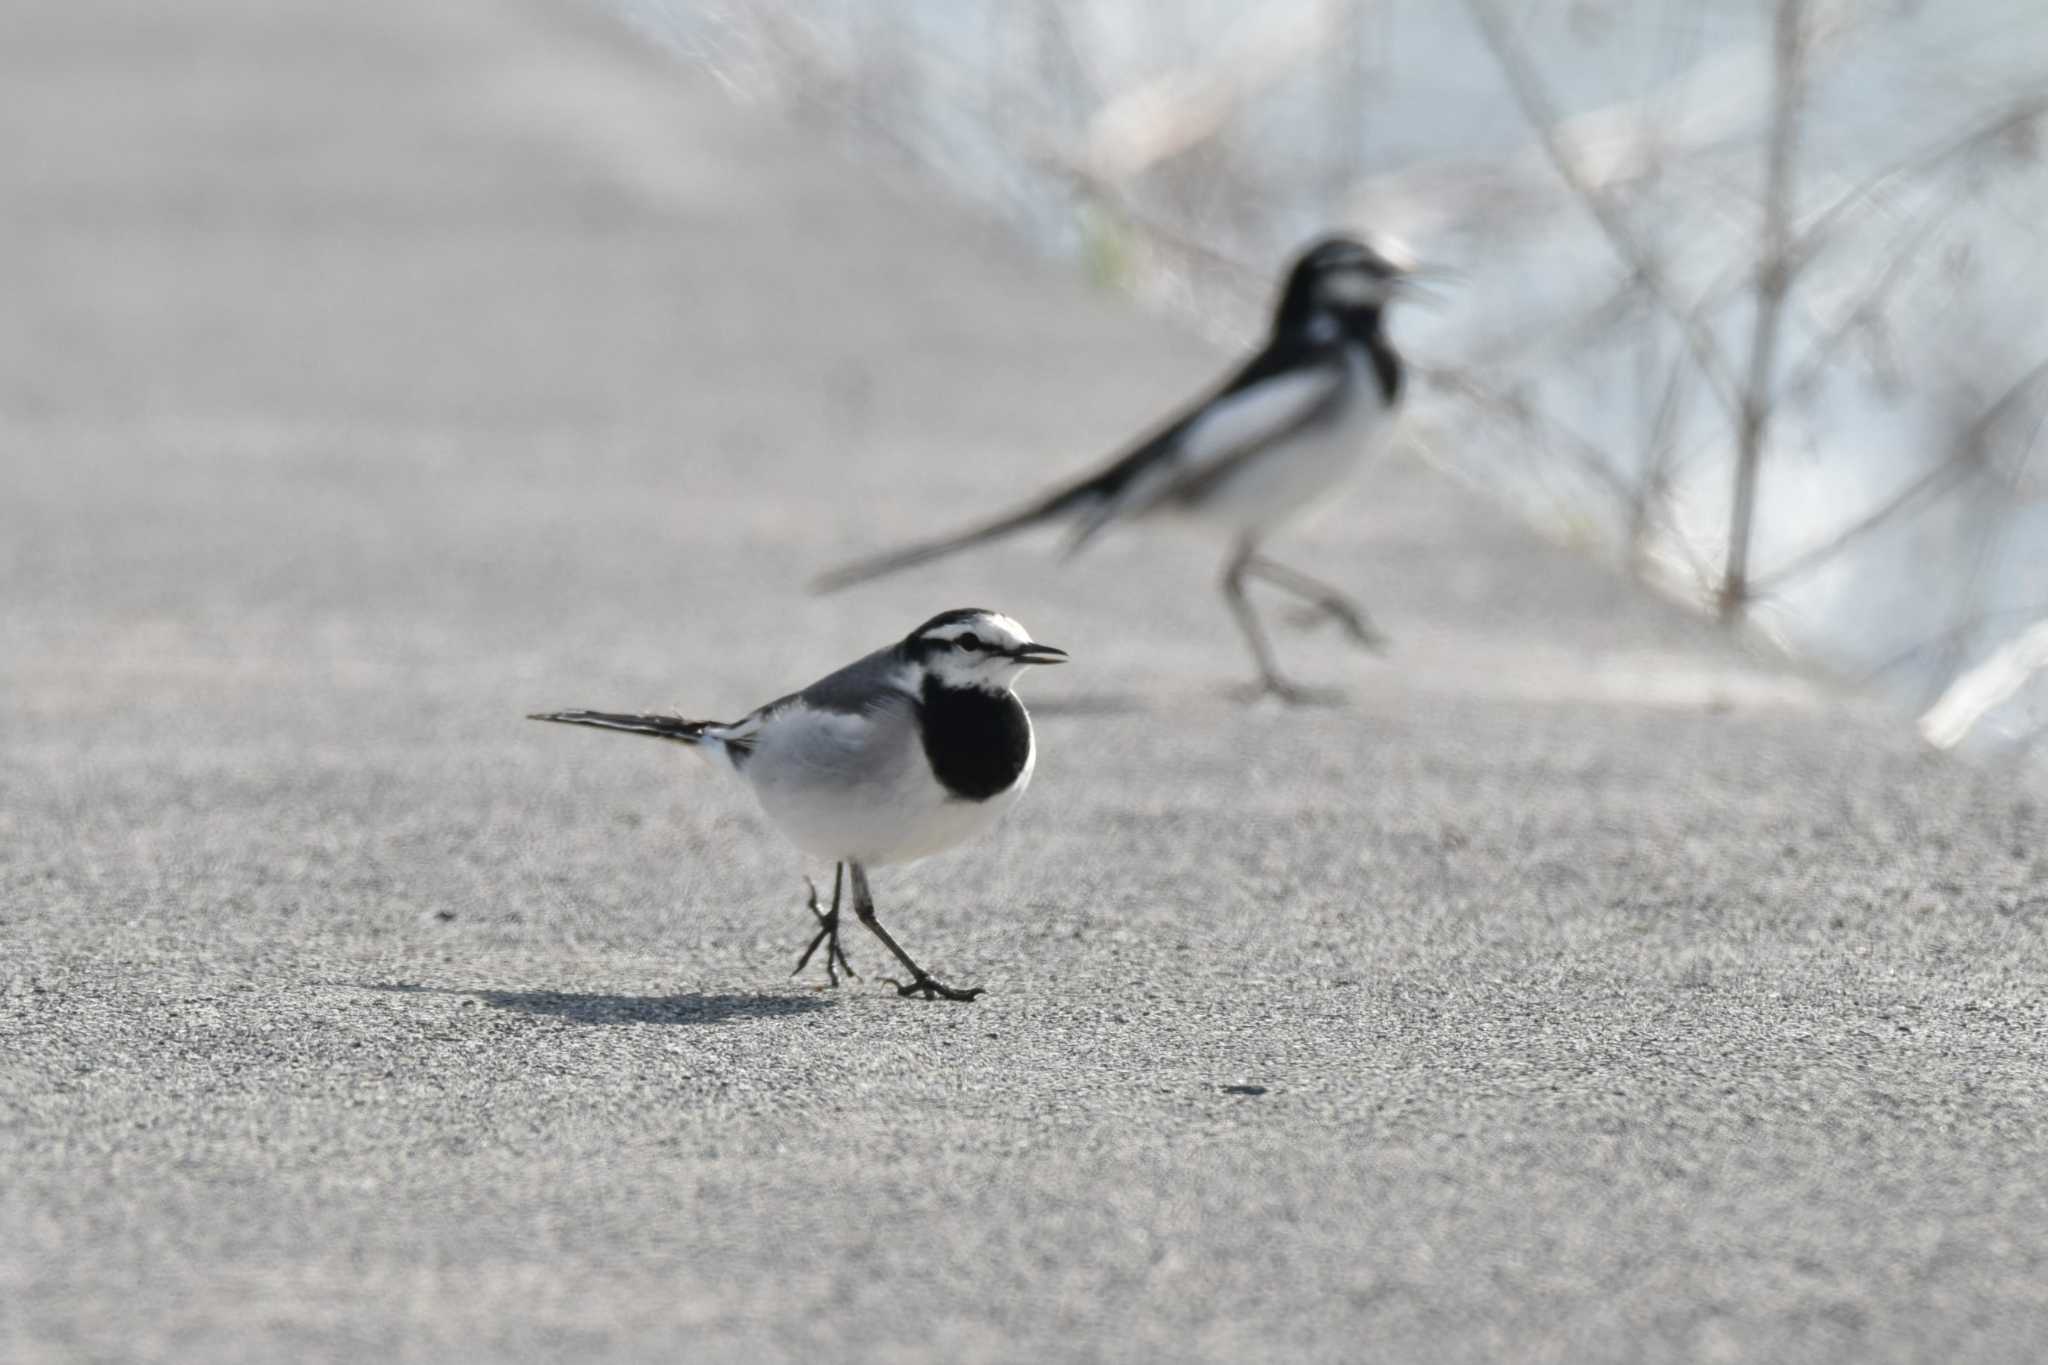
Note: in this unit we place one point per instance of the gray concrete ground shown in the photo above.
(371, 375)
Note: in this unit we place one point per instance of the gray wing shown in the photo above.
(871, 681)
(853, 729)
(1232, 428)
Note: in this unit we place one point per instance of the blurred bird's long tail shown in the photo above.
(661, 727)
(1046, 509)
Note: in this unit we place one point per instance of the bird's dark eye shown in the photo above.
(971, 642)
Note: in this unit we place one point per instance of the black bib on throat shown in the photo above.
(977, 742)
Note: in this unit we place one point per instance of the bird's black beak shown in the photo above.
(1426, 283)
(1036, 653)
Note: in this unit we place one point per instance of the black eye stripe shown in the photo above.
(967, 642)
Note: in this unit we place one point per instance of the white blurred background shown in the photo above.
(1750, 294)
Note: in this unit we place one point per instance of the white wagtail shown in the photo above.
(1274, 437)
(917, 747)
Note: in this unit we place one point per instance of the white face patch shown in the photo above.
(1355, 287)
(1396, 254)
(990, 627)
(988, 666)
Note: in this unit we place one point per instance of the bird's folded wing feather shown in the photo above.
(1249, 414)
(877, 680)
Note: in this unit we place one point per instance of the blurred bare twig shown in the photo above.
(1924, 488)
(1585, 453)
(2025, 111)
(1773, 279)
(1168, 114)
(1643, 263)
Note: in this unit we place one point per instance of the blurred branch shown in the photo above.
(1977, 444)
(1978, 438)
(1976, 693)
(1654, 487)
(1084, 180)
(2011, 122)
(1541, 112)
(1773, 279)
(1970, 457)
(1168, 114)
(1524, 342)
(1948, 640)
(1586, 453)
(1347, 86)
(1896, 260)
(1929, 485)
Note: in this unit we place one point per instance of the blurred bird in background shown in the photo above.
(1277, 436)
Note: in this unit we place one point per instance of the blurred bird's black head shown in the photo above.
(1338, 282)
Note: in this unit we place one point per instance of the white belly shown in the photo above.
(1279, 482)
(860, 790)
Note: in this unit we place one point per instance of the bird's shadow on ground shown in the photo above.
(582, 1008)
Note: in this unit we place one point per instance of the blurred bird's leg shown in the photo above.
(1248, 619)
(922, 982)
(828, 929)
(1244, 560)
(1322, 600)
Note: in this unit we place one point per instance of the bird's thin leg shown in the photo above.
(1247, 619)
(828, 929)
(1322, 598)
(1270, 680)
(921, 982)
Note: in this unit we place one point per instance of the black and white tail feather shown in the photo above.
(727, 737)
(1089, 491)
(1277, 434)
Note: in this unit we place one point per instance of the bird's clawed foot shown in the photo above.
(933, 989)
(1289, 693)
(1355, 624)
(828, 934)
